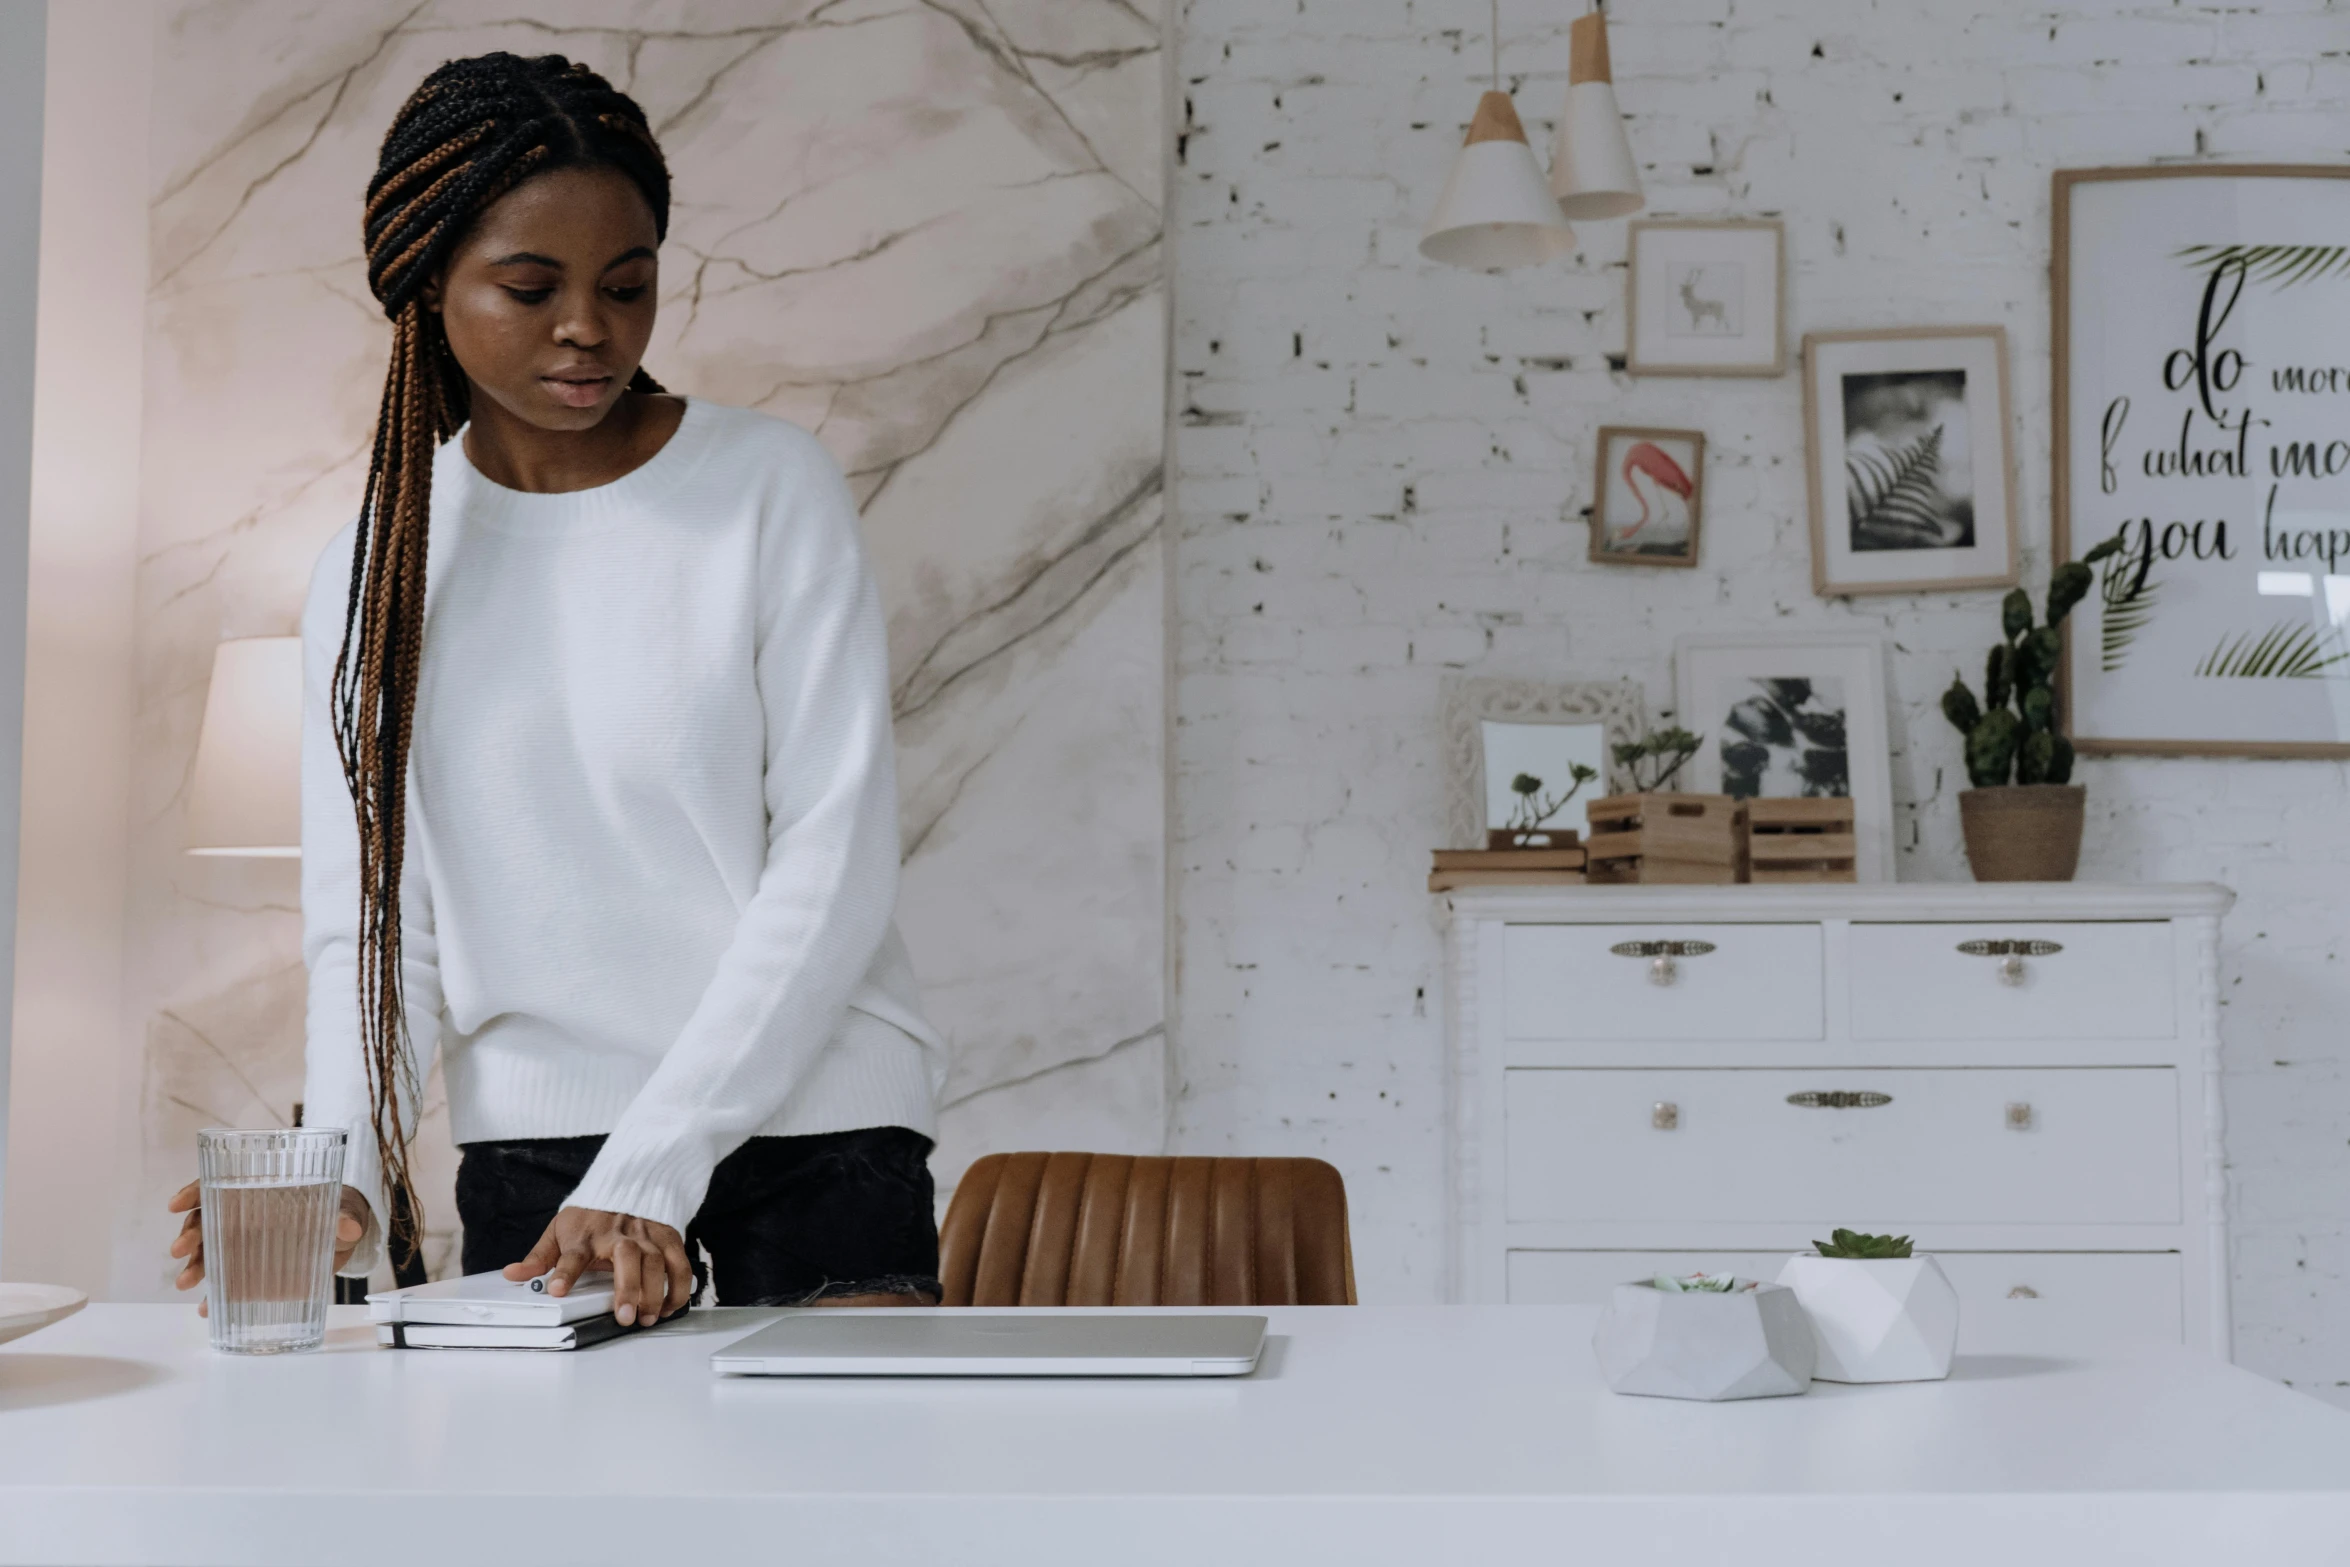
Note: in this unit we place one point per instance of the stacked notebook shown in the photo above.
(488, 1311)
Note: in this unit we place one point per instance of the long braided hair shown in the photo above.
(474, 130)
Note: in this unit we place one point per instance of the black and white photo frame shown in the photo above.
(1906, 447)
(1705, 297)
(1792, 716)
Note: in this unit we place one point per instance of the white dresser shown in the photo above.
(2024, 1078)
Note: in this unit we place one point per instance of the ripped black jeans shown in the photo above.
(787, 1220)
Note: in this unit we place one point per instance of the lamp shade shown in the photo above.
(1495, 211)
(1591, 168)
(245, 795)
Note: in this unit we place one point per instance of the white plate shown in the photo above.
(25, 1307)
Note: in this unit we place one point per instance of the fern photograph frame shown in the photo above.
(1907, 438)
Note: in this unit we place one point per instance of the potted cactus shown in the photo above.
(1709, 1337)
(2022, 818)
(1879, 1313)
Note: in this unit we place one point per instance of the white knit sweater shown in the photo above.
(652, 853)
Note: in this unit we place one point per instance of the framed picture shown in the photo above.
(1912, 484)
(1496, 730)
(2201, 331)
(1647, 499)
(1704, 298)
(1792, 717)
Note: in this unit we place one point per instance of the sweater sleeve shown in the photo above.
(826, 896)
(335, 1056)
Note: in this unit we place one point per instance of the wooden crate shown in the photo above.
(1801, 840)
(1506, 868)
(1655, 840)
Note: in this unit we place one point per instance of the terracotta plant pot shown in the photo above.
(2023, 832)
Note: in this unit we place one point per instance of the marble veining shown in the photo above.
(929, 231)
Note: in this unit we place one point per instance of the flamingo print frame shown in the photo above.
(1648, 499)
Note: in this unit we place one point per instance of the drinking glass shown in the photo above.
(270, 1200)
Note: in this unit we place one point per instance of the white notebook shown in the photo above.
(492, 1300)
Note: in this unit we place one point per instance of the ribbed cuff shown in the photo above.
(648, 1179)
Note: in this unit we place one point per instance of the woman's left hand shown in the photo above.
(651, 1276)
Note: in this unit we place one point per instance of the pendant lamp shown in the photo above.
(1495, 210)
(1591, 168)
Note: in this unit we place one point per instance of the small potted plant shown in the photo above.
(1534, 808)
(1879, 1312)
(2023, 816)
(1709, 1337)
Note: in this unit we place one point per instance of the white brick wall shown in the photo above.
(1382, 466)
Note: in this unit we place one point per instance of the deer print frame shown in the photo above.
(1705, 298)
(1906, 443)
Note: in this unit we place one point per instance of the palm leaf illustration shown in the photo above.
(2284, 651)
(1894, 489)
(2125, 584)
(2279, 265)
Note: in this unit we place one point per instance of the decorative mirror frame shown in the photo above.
(1469, 704)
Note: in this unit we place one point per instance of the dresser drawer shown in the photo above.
(2008, 1302)
(1988, 1146)
(2110, 981)
(1759, 982)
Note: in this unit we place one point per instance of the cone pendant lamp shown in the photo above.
(1591, 168)
(1495, 210)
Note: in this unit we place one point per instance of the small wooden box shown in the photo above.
(1656, 840)
(1506, 868)
(1801, 840)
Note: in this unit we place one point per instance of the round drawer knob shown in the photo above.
(1663, 970)
(2011, 970)
(2023, 1292)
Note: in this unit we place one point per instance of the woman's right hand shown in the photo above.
(188, 1245)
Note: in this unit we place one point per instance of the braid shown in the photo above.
(474, 130)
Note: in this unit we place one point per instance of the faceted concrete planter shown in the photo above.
(1890, 1319)
(1751, 1343)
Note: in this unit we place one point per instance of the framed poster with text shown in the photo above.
(2202, 390)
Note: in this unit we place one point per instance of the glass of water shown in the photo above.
(270, 1201)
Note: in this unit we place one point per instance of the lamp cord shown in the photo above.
(1497, 45)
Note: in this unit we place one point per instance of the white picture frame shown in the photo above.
(1911, 470)
(1706, 297)
(1618, 709)
(1714, 674)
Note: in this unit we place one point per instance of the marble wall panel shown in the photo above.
(931, 233)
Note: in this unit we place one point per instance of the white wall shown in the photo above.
(1382, 464)
(69, 1109)
(22, 24)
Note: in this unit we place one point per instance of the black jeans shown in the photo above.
(787, 1220)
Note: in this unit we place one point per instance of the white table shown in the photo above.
(1370, 1435)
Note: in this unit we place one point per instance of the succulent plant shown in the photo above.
(2011, 734)
(1851, 1243)
(1653, 759)
(1698, 1284)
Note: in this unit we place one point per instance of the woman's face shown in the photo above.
(550, 297)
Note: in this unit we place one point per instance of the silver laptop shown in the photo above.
(964, 1343)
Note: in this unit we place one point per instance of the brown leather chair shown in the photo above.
(1082, 1229)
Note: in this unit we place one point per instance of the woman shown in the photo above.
(598, 795)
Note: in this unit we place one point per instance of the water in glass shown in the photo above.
(270, 1204)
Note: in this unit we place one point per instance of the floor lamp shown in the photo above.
(245, 796)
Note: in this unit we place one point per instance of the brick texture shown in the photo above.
(1382, 467)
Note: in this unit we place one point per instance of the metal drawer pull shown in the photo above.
(1665, 1116)
(1662, 970)
(2023, 1292)
(1839, 1099)
(2019, 1116)
(2011, 955)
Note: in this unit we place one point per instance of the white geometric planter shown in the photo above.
(1752, 1343)
(1877, 1319)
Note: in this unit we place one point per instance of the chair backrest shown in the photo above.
(1081, 1229)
